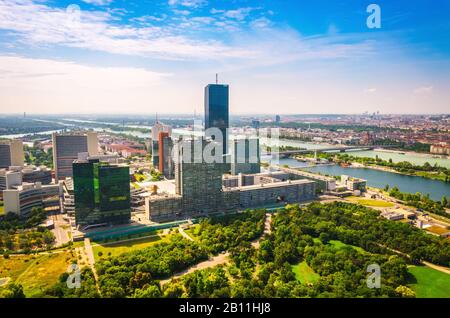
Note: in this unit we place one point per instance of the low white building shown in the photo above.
(22, 199)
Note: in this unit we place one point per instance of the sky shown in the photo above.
(278, 56)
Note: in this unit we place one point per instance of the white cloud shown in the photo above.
(188, 3)
(370, 90)
(98, 2)
(423, 90)
(238, 14)
(149, 18)
(214, 11)
(182, 12)
(38, 24)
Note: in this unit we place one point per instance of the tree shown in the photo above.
(324, 237)
(12, 290)
(444, 201)
(404, 291)
(150, 292)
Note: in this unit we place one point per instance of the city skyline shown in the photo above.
(287, 58)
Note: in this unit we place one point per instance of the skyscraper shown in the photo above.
(245, 156)
(66, 148)
(197, 181)
(165, 145)
(216, 110)
(102, 192)
(156, 129)
(11, 153)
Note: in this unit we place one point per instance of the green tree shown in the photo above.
(404, 291)
(12, 290)
(444, 201)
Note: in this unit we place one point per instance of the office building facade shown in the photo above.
(66, 148)
(157, 128)
(217, 110)
(101, 193)
(32, 174)
(11, 153)
(197, 181)
(245, 156)
(22, 199)
(165, 146)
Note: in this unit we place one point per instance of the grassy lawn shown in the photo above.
(14, 266)
(192, 230)
(371, 202)
(338, 245)
(35, 273)
(431, 175)
(122, 247)
(429, 283)
(304, 273)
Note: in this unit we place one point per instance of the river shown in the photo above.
(378, 179)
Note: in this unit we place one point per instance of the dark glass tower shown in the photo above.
(216, 110)
(102, 193)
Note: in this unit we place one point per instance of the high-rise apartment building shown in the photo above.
(216, 110)
(11, 153)
(165, 146)
(101, 192)
(66, 148)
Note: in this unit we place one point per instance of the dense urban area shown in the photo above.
(308, 204)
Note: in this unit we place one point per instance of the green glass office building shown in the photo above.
(102, 193)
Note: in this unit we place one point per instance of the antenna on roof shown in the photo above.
(156, 118)
(217, 78)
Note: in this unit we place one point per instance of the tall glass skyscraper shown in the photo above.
(216, 110)
(102, 193)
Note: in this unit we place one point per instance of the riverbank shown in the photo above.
(412, 153)
(423, 174)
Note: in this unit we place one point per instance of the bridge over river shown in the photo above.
(287, 153)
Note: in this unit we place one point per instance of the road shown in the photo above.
(61, 234)
(212, 262)
(267, 230)
(91, 259)
(442, 269)
(184, 234)
(221, 258)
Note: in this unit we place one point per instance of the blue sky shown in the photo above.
(278, 56)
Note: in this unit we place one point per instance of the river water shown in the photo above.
(378, 179)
